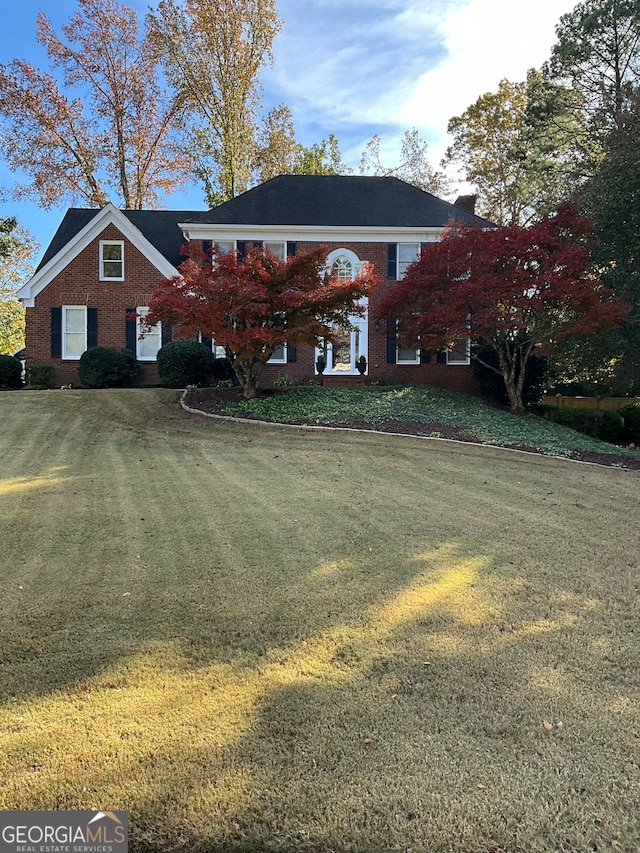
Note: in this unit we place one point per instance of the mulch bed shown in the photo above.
(216, 401)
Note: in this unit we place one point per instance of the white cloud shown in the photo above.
(486, 41)
(357, 68)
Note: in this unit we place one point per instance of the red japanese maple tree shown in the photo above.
(252, 305)
(519, 290)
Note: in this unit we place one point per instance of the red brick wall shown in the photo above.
(79, 284)
(455, 377)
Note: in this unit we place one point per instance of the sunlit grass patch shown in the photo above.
(259, 640)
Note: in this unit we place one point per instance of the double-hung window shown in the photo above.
(407, 356)
(407, 254)
(148, 341)
(400, 256)
(111, 260)
(277, 248)
(461, 353)
(74, 331)
(279, 355)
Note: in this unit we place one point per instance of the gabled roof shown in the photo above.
(363, 205)
(159, 227)
(80, 227)
(337, 201)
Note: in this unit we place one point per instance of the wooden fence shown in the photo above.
(606, 404)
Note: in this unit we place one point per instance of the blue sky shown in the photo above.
(354, 68)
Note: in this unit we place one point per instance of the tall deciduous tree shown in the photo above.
(17, 248)
(277, 151)
(212, 54)
(321, 158)
(514, 146)
(254, 304)
(488, 144)
(97, 124)
(414, 166)
(519, 290)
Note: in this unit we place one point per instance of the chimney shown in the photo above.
(466, 202)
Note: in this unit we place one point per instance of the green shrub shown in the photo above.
(182, 363)
(492, 384)
(283, 382)
(607, 426)
(107, 367)
(10, 372)
(611, 427)
(631, 423)
(42, 375)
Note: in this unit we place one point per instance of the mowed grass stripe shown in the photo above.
(257, 638)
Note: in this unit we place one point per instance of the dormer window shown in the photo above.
(111, 260)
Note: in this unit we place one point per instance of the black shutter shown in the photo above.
(391, 341)
(291, 249)
(207, 342)
(425, 356)
(207, 245)
(130, 326)
(441, 357)
(258, 244)
(92, 327)
(56, 333)
(241, 249)
(392, 261)
(166, 333)
(292, 354)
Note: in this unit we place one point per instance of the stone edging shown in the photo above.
(325, 428)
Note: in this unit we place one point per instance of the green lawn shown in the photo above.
(415, 409)
(255, 638)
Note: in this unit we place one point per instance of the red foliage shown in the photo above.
(253, 304)
(517, 288)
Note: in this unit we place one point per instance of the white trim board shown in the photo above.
(108, 215)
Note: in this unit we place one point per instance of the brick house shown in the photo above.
(102, 264)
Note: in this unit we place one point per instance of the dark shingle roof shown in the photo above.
(297, 200)
(337, 200)
(160, 227)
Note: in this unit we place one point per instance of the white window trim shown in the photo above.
(401, 275)
(233, 245)
(460, 361)
(65, 308)
(104, 243)
(281, 243)
(214, 348)
(359, 324)
(356, 263)
(282, 360)
(157, 329)
(414, 360)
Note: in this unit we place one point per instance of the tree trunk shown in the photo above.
(515, 397)
(249, 386)
(508, 364)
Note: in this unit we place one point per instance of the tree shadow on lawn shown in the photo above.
(400, 718)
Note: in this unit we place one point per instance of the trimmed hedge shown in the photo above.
(107, 367)
(182, 363)
(10, 372)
